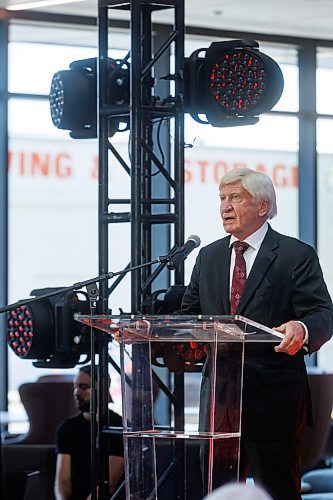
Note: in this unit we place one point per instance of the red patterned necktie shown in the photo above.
(239, 275)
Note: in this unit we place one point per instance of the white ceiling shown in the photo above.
(302, 18)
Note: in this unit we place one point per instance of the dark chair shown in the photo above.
(328, 452)
(22, 485)
(320, 480)
(29, 459)
(56, 378)
(314, 440)
(318, 496)
(47, 404)
(29, 471)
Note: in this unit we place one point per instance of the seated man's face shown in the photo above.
(81, 391)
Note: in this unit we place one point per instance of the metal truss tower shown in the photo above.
(147, 108)
(156, 145)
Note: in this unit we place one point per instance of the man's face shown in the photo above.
(81, 391)
(241, 214)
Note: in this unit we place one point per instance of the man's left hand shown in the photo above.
(294, 335)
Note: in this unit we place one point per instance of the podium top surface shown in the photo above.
(174, 328)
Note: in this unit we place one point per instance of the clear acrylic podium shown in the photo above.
(192, 365)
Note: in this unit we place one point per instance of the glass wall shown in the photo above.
(325, 180)
(53, 190)
(325, 196)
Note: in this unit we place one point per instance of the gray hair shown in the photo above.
(259, 186)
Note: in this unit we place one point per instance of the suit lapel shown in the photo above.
(224, 273)
(263, 261)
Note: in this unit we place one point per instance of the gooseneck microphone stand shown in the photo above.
(93, 294)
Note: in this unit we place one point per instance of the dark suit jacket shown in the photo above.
(285, 283)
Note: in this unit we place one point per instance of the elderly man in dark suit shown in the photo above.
(277, 281)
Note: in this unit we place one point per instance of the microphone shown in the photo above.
(181, 253)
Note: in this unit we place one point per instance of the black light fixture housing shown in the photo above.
(232, 84)
(73, 97)
(45, 330)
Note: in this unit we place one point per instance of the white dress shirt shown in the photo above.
(254, 241)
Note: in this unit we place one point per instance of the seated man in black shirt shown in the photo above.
(73, 470)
